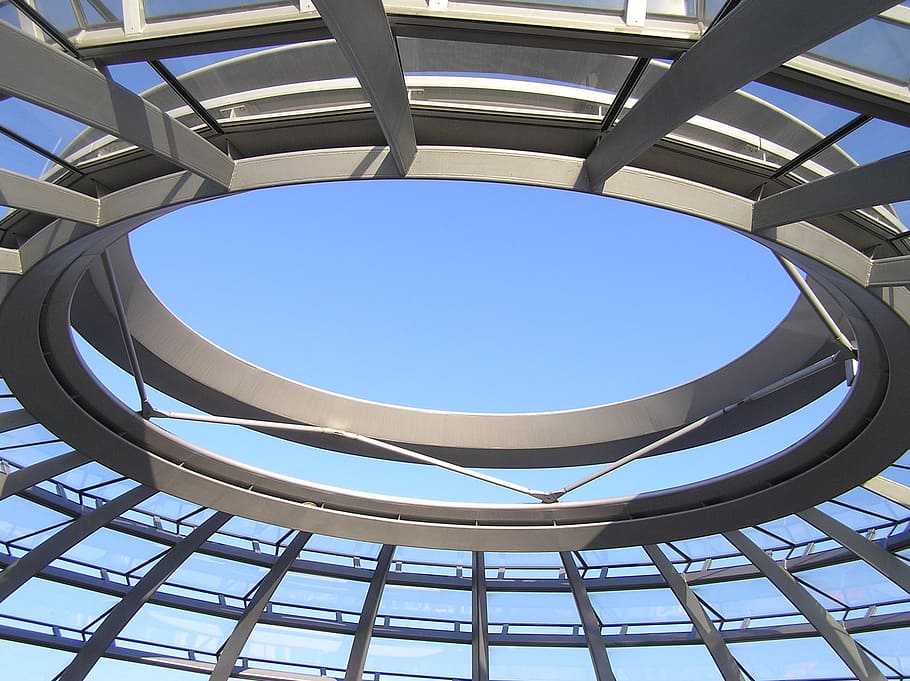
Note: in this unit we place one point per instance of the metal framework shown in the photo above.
(641, 102)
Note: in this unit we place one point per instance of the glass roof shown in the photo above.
(235, 450)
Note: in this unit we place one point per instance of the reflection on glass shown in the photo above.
(537, 611)
(424, 658)
(540, 663)
(642, 606)
(161, 9)
(298, 650)
(876, 46)
(285, 80)
(663, 663)
(783, 660)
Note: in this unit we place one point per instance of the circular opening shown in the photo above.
(464, 296)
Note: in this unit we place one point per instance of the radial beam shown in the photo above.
(880, 558)
(56, 81)
(135, 598)
(361, 645)
(15, 418)
(589, 621)
(840, 641)
(231, 649)
(480, 636)
(66, 538)
(24, 478)
(872, 184)
(709, 634)
(27, 193)
(750, 41)
(362, 31)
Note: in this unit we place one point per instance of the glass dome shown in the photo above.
(133, 543)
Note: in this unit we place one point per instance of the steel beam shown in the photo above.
(63, 84)
(873, 184)
(24, 478)
(362, 31)
(480, 635)
(589, 621)
(875, 555)
(135, 598)
(361, 645)
(891, 271)
(833, 632)
(751, 40)
(66, 538)
(15, 418)
(231, 649)
(892, 491)
(27, 193)
(710, 636)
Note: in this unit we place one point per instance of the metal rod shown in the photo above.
(334, 432)
(817, 305)
(186, 95)
(685, 430)
(41, 151)
(821, 145)
(624, 92)
(46, 26)
(125, 332)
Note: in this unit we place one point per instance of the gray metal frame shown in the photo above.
(64, 262)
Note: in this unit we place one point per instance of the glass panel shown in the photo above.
(20, 159)
(59, 14)
(19, 517)
(804, 658)
(532, 611)
(101, 13)
(110, 550)
(641, 606)
(51, 603)
(538, 663)
(874, 140)
(298, 650)
(21, 661)
(851, 518)
(418, 604)
(855, 584)
(862, 498)
(251, 529)
(308, 595)
(175, 632)
(753, 598)
(875, 46)
(705, 547)
(162, 9)
(424, 658)
(663, 663)
(794, 529)
(105, 670)
(898, 474)
(347, 547)
(250, 84)
(767, 124)
(215, 576)
(891, 646)
(679, 8)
